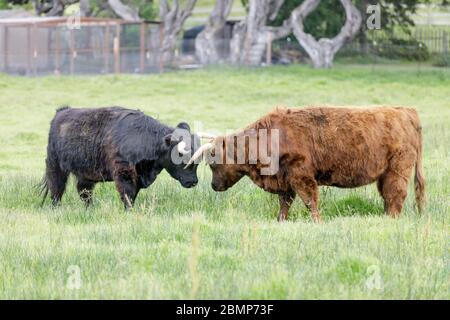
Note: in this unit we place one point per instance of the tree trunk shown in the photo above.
(362, 37)
(322, 52)
(85, 10)
(172, 20)
(252, 35)
(57, 9)
(123, 11)
(209, 41)
(50, 9)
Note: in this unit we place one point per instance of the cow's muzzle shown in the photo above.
(218, 188)
(189, 183)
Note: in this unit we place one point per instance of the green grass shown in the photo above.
(195, 243)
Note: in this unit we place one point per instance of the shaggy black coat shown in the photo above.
(113, 144)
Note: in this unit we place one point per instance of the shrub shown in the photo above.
(442, 60)
(411, 50)
(4, 4)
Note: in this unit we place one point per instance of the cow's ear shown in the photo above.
(184, 125)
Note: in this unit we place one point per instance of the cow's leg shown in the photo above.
(380, 182)
(394, 184)
(308, 190)
(394, 191)
(286, 200)
(380, 185)
(125, 179)
(127, 191)
(85, 188)
(56, 180)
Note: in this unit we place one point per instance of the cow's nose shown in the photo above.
(190, 183)
(219, 187)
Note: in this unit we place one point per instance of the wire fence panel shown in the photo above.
(436, 39)
(102, 46)
(29, 49)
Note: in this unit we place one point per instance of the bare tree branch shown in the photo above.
(124, 11)
(252, 36)
(51, 8)
(275, 7)
(187, 11)
(322, 52)
(85, 8)
(172, 20)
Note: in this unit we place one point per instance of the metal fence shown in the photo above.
(102, 46)
(436, 39)
(84, 46)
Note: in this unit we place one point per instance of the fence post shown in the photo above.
(436, 42)
(5, 48)
(57, 51)
(161, 42)
(247, 46)
(269, 49)
(29, 55)
(72, 51)
(142, 48)
(106, 48)
(445, 42)
(117, 49)
(35, 53)
(49, 48)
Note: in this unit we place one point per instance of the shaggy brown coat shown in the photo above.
(341, 147)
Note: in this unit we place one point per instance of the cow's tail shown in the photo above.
(43, 189)
(419, 180)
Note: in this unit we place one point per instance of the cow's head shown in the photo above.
(178, 148)
(225, 171)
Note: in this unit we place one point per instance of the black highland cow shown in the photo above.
(115, 144)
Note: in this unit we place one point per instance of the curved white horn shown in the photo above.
(206, 135)
(181, 147)
(199, 153)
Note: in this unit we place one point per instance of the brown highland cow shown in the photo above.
(341, 147)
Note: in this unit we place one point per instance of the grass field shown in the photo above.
(195, 243)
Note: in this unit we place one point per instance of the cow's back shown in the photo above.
(80, 138)
(348, 147)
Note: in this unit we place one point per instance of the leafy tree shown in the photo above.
(324, 22)
(328, 18)
(145, 9)
(4, 4)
